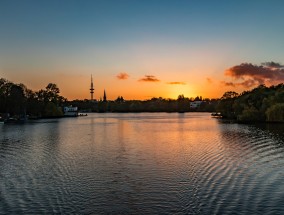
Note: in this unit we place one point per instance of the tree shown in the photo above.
(225, 105)
(197, 98)
(180, 97)
(249, 114)
(119, 99)
(16, 101)
(229, 95)
(5, 87)
(51, 110)
(275, 113)
(52, 93)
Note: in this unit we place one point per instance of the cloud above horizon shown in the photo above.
(247, 83)
(149, 78)
(122, 76)
(273, 65)
(249, 75)
(177, 83)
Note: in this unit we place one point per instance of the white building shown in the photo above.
(195, 104)
(70, 111)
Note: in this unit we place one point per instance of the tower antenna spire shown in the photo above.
(92, 88)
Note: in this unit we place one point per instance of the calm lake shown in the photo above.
(143, 163)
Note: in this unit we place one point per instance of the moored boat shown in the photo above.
(217, 115)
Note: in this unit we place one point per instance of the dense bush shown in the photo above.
(260, 104)
(275, 113)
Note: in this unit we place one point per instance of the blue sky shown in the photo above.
(191, 41)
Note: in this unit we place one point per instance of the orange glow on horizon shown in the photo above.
(75, 83)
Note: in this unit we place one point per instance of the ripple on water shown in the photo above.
(237, 181)
(141, 164)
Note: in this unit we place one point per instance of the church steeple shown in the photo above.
(105, 97)
(92, 89)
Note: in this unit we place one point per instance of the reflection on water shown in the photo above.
(145, 163)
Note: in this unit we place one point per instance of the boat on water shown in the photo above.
(216, 115)
(13, 119)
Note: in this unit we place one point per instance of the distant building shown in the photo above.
(195, 104)
(70, 111)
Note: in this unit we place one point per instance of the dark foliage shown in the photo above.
(260, 104)
(17, 101)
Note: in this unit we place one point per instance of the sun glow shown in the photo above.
(176, 90)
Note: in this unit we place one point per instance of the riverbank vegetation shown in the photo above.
(262, 104)
(16, 100)
(181, 104)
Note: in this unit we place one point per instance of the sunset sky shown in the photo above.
(140, 49)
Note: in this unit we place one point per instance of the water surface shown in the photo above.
(144, 163)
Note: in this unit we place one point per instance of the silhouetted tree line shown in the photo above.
(16, 100)
(260, 104)
(181, 104)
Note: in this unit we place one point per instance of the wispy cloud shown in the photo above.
(122, 76)
(149, 78)
(249, 75)
(228, 84)
(177, 83)
(247, 83)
